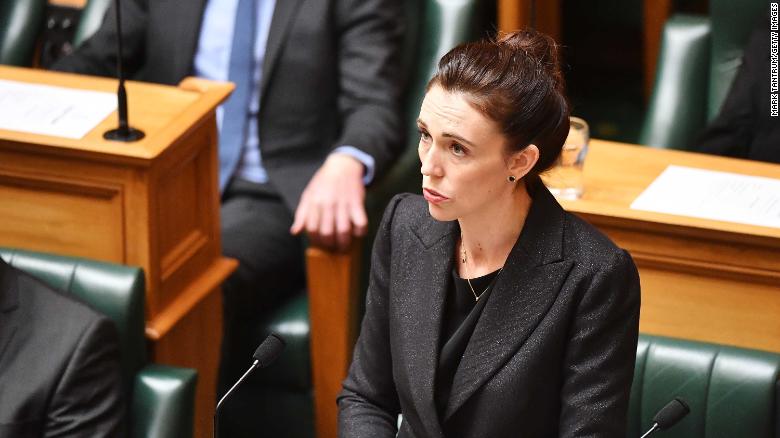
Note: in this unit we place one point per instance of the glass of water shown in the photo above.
(564, 179)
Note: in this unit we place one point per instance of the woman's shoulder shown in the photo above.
(587, 245)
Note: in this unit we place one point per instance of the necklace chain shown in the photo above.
(463, 261)
(477, 297)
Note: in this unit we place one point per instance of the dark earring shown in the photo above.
(511, 178)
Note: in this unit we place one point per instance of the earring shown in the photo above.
(511, 178)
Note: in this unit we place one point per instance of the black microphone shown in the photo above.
(265, 354)
(124, 132)
(667, 417)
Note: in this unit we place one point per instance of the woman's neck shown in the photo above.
(488, 236)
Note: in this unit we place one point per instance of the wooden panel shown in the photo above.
(184, 219)
(710, 309)
(333, 304)
(194, 343)
(49, 214)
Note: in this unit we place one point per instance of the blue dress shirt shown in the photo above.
(212, 61)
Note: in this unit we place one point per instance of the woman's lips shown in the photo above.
(433, 196)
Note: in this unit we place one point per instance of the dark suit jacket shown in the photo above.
(745, 127)
(330, 75)
(59, 364)
(551, 355)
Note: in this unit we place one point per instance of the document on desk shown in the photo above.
(708, 194)
(50, 110)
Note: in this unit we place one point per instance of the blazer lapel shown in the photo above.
(524, 292)
(9, 304)
(421, 315)
(284, 11)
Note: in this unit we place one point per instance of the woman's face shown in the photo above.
(464, 161)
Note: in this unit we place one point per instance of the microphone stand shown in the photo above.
(219, 403)
(652, 430)
(124, 132)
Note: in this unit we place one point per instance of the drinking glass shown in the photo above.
(564, 179)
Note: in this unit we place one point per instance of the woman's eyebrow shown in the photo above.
(448, 134)
(459, 138)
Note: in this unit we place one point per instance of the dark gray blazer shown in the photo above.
(551, 355)
(330, 75)
(59, 364)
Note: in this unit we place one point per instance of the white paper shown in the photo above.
(713, 195)
(49, 110)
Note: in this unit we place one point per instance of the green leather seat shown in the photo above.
(162, 397)
(732, 392)
(697, 63)
(21, 21)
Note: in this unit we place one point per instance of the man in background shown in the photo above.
(60, 373)
(313, 119)
(745, 126)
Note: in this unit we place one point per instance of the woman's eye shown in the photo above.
(458, 150)
(424, 136)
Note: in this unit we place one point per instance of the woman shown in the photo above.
(491, 312)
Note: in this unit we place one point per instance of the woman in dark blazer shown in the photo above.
(491, 312)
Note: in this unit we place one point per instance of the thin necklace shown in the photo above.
(477, 297)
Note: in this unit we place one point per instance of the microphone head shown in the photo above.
(673, 412)
(269, 350)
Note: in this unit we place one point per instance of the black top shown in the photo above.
(461, 312)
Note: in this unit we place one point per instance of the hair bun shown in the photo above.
(537, 47)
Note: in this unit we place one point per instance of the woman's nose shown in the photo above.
(428, 161)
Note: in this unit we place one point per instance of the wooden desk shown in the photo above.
(153, 204)
(701, 279)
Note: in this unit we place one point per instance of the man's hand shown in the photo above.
(331, 209)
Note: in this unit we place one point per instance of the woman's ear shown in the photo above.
(521, 162)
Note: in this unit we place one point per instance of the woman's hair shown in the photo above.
(516, 81)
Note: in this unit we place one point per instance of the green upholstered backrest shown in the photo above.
(732, 22)
(676, 111)
(116, 291)
(20, 23)
(163, 402)
(292, 370)
(90, 20)
(732, 392)
(697, 63)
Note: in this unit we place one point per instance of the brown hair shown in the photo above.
(516, 81)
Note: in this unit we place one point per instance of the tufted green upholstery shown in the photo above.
(20, 23)
(163, 397)
(732, 392)
(697, 63)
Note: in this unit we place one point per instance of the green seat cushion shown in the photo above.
(731, 391)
